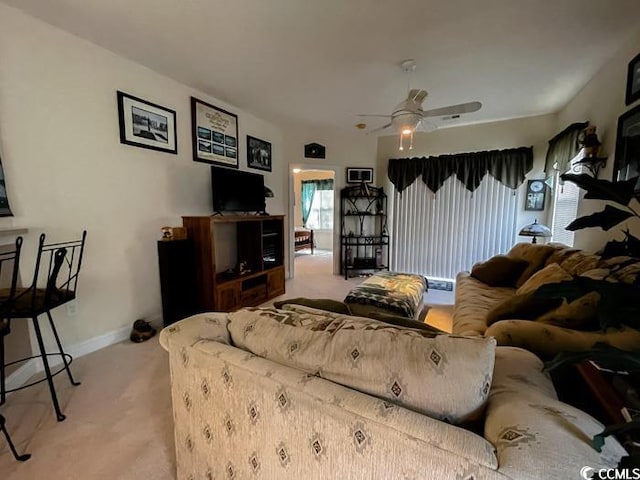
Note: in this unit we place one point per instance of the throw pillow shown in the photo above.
(443, 376)
(533, 253)
(319, 303)
(552, 273)
(580, 262)
(499, 271)
(389, 318)
(581, 314)
(521, 307)
(403, 322)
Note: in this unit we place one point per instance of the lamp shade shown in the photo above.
(534, 230)
(268, 193)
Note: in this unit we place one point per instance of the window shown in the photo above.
(321, 214)
(565, 207)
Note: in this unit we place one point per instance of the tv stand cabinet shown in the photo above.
(258, 243)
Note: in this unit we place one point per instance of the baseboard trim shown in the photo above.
(31, 367)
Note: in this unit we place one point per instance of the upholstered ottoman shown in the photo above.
(388, 292)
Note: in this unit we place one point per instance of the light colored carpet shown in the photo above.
(119, 423)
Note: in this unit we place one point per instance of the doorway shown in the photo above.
(313, 220)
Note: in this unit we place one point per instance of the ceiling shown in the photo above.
(320, 63)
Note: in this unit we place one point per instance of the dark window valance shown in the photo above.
(507, 166)
(562, 148)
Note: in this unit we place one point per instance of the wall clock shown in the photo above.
(536, 193)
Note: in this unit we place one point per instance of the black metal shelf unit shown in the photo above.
(364, 242)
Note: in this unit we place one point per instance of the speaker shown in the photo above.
(314, 150)
(176, 259)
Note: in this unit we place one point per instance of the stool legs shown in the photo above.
(22, 458)
(47, 369)
(62, 354)
(3, 394)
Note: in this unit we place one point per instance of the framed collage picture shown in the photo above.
(215, 134)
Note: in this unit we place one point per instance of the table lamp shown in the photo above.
(534, 230)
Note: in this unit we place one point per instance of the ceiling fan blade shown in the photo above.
(426, 126)
(379, 128)
(372, 115)
(417, 96)
(453, 109)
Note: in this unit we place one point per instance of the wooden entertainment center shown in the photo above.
(258, 244)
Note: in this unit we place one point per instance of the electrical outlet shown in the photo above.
(72, 309)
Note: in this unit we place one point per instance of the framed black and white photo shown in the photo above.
(536, 193)
(359, 175)
(5, 210)
(633, 81)
(146, 125)
(258, 154)
(215, 134)
(627, 163)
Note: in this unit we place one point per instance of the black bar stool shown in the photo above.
(9, 262)
(55, 281)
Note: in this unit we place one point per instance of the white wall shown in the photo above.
(344, 149)
(66, 169)
(523, 132)
(601, 102)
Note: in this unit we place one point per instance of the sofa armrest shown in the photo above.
(548, 340)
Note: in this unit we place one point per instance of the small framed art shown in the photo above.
(215, 134)
(536, 194)
(633, 81)
(146, 125)
(627, 162)
(359, 175)
(258, 154)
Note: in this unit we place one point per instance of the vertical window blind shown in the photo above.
(439, 235)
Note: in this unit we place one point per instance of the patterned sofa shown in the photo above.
(475, 301)
(241, 415)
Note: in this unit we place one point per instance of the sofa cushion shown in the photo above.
(326, 304)
(473, 300)
(533, 253)
(581, 314)
(552, 273)
(443, 376)
(499, 271)
(523, 307)
(623, 268)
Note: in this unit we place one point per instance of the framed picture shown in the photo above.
(215, 134)
(258, 154)
(5, 210)
(536, 193)
(627, 163)
(633, 81)
(359, 175)
(147, 125)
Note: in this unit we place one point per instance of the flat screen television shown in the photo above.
(237, 191)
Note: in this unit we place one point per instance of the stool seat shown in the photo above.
(28, 300)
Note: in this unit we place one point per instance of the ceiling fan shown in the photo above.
(409, 116)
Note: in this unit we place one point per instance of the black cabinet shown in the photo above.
(364, 241)
(176, 259)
